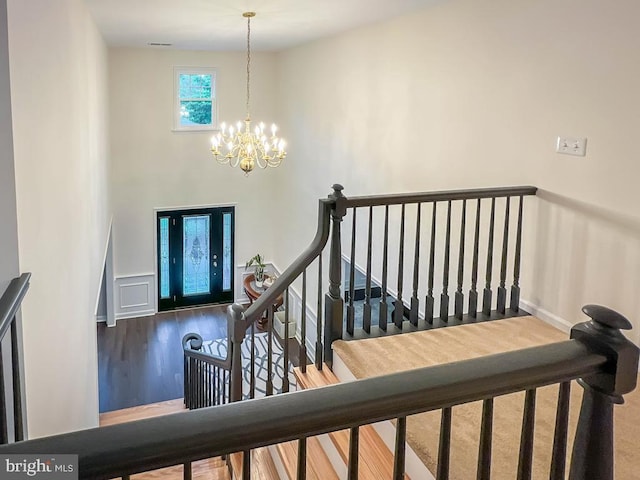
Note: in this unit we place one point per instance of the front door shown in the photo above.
(195, 257)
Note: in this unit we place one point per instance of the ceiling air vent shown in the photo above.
(159, 44)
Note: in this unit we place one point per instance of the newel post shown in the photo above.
(333, 302)
(592, 456)
(235, 314)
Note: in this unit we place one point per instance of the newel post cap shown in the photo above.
(602, 335)
(339, 207)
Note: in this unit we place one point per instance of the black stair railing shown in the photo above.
(409, 244)
(450, 242)
(227, 373)
(13, 427)
(598, 354)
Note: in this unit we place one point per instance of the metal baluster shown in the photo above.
(246, 465)
(303, 325)
(302, 459)
(228, 384)
(187, 473)
(352, 275)
(252, 366)
(216, 384)
(285, 378)
(429, 302)
(384, 309)
(486, 439)
(210, 385)
(444, 450)
(486, 300)
(473, 293)
(366, 312)
(459, 298)
(192, 383)
(17, 387)
(525, 461)
(200, 384)
(269, 386)
(444, 297)
(515, 288)
(352, 473)
(185, 379)
(398, 311)
(502, 291)
(559, 454)
(319, 346)
(400, 454)
(413, 318)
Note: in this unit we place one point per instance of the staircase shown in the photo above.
(209, 469)
(375, 458)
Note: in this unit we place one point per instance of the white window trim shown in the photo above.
(177, 71)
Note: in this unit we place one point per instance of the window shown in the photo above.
(195, 99)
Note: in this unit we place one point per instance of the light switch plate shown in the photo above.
(572, 146)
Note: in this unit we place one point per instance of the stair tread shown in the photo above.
(209, 469)
(262, 466)
(141, 412)
(318, 464)
(375, 458)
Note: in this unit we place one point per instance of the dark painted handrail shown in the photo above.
(423, 197)
(11, 300)
(159, 442)
(598, 354)
(9, 305)
(174, 439)
(268, 298)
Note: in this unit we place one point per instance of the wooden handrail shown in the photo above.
(11, 301)
(439, 196)
(174, 439)
(255, 311)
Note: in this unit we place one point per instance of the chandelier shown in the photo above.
(242, 146)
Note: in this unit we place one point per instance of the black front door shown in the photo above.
(195, 257)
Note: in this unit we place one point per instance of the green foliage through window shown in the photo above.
(196, 98)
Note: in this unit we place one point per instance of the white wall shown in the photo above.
(154, 167)
(473, 94)
(59, 72)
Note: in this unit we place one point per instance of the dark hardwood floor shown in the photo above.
(140, 360)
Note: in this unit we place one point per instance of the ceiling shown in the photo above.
(218, 24)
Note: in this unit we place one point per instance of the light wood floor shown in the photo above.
(211, 469)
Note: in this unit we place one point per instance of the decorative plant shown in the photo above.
(258, 262)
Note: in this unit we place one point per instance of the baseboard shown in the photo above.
(137, 314)
(545, 315)
(101, 318)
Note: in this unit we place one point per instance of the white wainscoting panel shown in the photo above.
(135, 296)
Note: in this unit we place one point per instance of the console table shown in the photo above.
(254, 292)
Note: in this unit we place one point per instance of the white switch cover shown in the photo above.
(572, 146)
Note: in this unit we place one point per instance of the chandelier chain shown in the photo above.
(248, 63)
